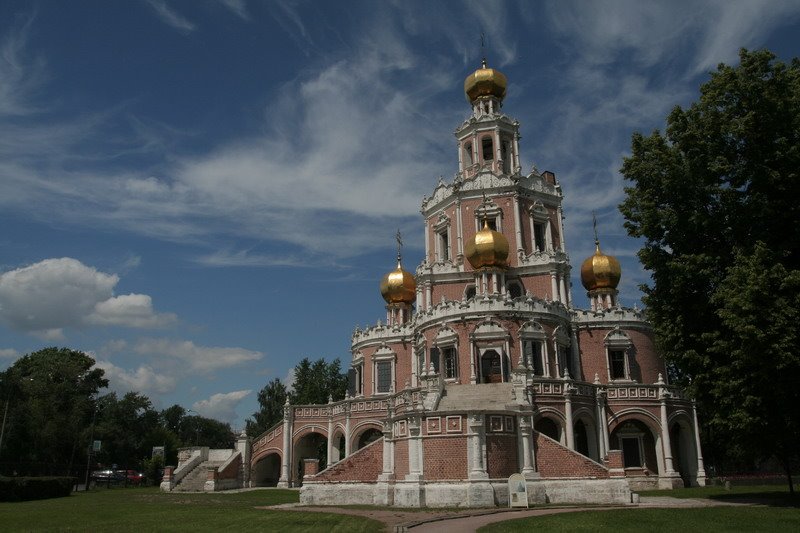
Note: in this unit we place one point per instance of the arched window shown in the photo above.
(487, 148)
(468, 157)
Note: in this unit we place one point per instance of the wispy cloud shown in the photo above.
(171, 17)
(197, 358)
(239, 7)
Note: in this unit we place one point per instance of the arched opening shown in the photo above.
(581, 438)
(492, 367)
(337, 448)
(468, 158)
(310, 446)
(638, 446)
(514, 290)
(548, 427)
(266, 471)
(684, 455)
(368, 436)
(487, 149)
(505, 153)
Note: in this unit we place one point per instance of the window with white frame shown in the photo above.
(618, 348)
(540, 227)
(487, 148)
(383, 370)
(442, 231)
(562, 347)
(534, 355)
(450, 362)
(435, 358)
(492, 214)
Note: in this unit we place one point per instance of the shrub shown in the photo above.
(17, 489)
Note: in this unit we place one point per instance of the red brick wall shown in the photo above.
(539, 286)
(645, 364)
(445, 457)
(501, 455)
(364, 465)
(556, 461)
(400, 459)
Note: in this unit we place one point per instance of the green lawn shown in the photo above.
(709, 519)
(777, 511)
(148, 509)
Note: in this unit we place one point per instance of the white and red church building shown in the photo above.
(485, 366)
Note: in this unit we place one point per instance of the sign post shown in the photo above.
(517, 491)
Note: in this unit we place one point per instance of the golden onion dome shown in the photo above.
(488, 248)
(600, 271)
(485, 82)
(398, 286)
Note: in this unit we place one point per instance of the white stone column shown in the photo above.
(347, 430)
(414, 452)
(560, 215)
(428, 258)
(575, 354)
(604, 421)
(472, 378)
(476, 436)
(568, 414)
(701, 471)
(528, 457)
(554, 285)
(459, 232)
(517, 226)
(665, 441)
(428, 295)
(562, 290)
(330, 438)
(288, 414)
(460, 156)
(517, 165)
(498, 150)
(601, 441)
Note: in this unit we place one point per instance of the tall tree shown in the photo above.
(715, 201)
(270, 400)
(315, 382)
(51, 402)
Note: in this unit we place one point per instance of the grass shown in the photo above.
(148, 509)
(778, 511)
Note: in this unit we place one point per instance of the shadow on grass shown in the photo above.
(772, 499)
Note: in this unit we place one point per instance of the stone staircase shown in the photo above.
(365, 464)
(195, 480)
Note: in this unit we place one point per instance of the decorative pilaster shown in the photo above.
(476, 438)
(528, 453)
(414, 449)
(285, 479)
(568, 392)
(701, 471)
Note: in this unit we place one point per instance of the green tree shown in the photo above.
(710, 199)
(51, 403)
(198, 430)
(270, 400)
(315, 382)
(128, 427)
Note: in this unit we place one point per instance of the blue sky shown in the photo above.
(200, 193)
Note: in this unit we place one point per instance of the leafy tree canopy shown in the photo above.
(715, 202)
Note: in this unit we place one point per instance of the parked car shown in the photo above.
(134, 477)
(108, 476)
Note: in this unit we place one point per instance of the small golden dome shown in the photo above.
(488, 248)
(600, 271)
(485, 82)
(398, 286)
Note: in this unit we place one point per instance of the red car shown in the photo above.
(134, 477)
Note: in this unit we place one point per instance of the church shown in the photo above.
(485, 366)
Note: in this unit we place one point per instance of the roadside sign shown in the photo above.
(96, 446)
(517, 491)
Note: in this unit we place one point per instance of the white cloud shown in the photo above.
(239, 7)
(48, 296)
(144, 379)
(171, 17)
(198, 358)
(221, 406)
(8, 353)
(131, 310)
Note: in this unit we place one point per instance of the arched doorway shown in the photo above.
(312, 445)
(368, 436)
(638, 446)
(581, 438)
(492, 367)
(267, 471)
(337, 448)
(548, 427)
